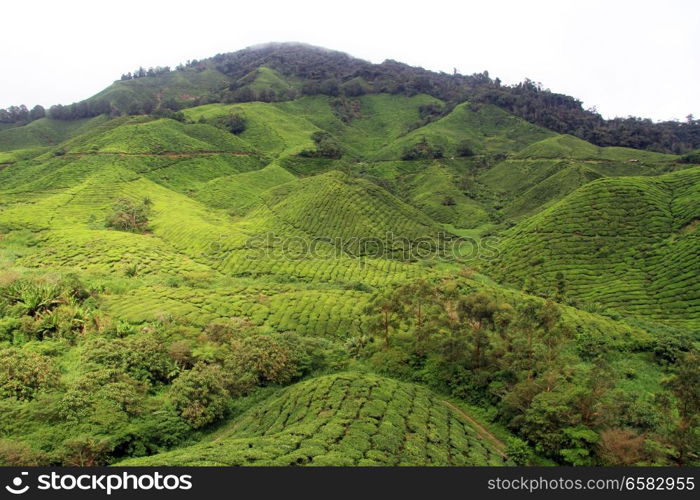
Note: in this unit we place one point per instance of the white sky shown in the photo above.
(624, 57)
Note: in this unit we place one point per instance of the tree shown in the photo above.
(519, 452)
(201, 395)
(37, 112)
(17, 454)
(326, 146)
(553, 422)
(464, 149)
(260, 360)
(476, 312)
(128, 215)
(181, 353)
(384, 311)
(23, 373)
(422, 150)
(143, 356)
(14, 114)
(234, 123)
(621, 447)
(330, 87)
(449, 201)
(85, 451)
(684, 385)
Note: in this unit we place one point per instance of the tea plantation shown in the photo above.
(273, 270)
(345, 419)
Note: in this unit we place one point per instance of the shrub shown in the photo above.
(326, 146)
(141, 356)
(181, 353)
(128, 215)
(16, 454)
(85, 451)
(258, 360)
(668, 349)
(519, 452)
(223, 331)
(621, 447)
(66, 321)
(201, 394)
(692, 157)
(464, 149)
(23, 373)
(102, 394)
(449, 201)
(169, 113)
(8, 327)
(234, 123)
(31, 298)
(422, 150)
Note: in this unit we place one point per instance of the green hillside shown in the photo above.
(334, 206)
(240, 192)
(552, 189)
(45, 132)
(548, 170)
(287, 256)
(436, 192)
(345, 419)
(485, 128)
(568, 146)
(624, 243)
(183, 88)
(161, 136)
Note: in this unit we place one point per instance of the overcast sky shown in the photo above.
(623, 57)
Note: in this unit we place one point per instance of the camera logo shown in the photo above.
(17, 483)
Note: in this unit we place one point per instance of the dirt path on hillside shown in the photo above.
(480, 429)
(169, 154)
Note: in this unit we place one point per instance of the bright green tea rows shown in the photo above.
(345, 419)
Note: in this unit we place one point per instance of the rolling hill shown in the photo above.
(626, 243)
(344, 420)
(277, 236)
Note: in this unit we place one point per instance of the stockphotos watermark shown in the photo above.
(442, 246)
(98, 482)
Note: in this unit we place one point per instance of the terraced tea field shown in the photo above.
(344, 419)
(239, 274)
(625, 243)
(324, 312)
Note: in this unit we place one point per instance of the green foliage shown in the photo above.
(45, 132)
(235, 123)
(261, 359)
(128, 215)
(684, 385)
(168, 113)
(141, 356)
(519, 452)
(23, 374)
(326, 146)
(199, 307)
(201, 395)
(18, 454)
(464, 149)
(591, 235)
(422, 150)
(483, 349)
(43, 308)
(342, 419)
(692, 157)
